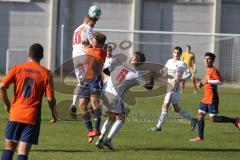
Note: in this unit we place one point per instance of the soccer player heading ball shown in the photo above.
(94, 12)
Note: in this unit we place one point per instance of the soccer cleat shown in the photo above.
(108, 143)
(90, 139)
(193, 124)
(154, 129)
(99, 144)
(237, 122)
(94, 133)
(197, 139)
(72, 109)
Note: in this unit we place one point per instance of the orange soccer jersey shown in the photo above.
(95, 61)
(31, 81)
(210, 91)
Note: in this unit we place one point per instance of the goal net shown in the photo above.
(15, 56)
(158, 45)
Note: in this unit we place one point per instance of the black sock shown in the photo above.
(223, 119)
(7, 154)
(97, 118)
(87, 120)
(201, 125)
(22, 157)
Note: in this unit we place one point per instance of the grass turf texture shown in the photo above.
(68, 141)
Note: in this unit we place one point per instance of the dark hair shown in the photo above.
(87, 18)
(211, 55)
(140, 57)
(188, 46)
(36, 52)
(100, 38)
(178, 48)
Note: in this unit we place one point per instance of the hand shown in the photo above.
(7, 107)
(202, 83)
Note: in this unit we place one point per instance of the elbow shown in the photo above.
(2, 87)
(51, 101)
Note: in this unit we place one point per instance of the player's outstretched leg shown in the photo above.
(114, 130)
(161, 120)
(106, 125)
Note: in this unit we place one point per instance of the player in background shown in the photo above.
(189, 58)
(122, 77)
(210, 100)
(175, 69)
(90, 90)
(31, 81)
(82, 37)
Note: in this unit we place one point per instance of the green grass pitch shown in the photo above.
(67, 140)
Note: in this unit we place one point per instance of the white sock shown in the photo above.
(75, 98)
(185, 114)
(75, 94)
(106, 125)
(162, 119)
(115, 128)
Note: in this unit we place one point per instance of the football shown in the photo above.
(94, 12)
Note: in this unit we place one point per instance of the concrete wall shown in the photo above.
(116, 15)
(21, 25)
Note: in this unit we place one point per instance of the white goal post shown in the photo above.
(157, 46)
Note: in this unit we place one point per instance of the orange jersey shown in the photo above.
(30, 81)
(210, 91)
(95, 62)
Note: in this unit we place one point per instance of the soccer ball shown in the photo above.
(94, 12)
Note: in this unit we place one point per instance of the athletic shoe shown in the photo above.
(154, 129)
(197, 139)
(108, 143)
(99, 144)
(72, 109)
(90, 139)
(237, 122)
(94, 133)
(195, 92)
(193, 124)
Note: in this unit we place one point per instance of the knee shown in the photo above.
(165, 108)
(200, 116)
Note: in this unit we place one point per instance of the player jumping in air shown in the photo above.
(175, 69)
(91, 88)
(82, 37)
(210, 100)
(122, 77)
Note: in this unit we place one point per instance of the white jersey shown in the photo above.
(107, 63)
(122, 77)
(175, 69)
(82, 34)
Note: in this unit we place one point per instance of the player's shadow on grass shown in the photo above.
(188, 149)
(60, 150)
